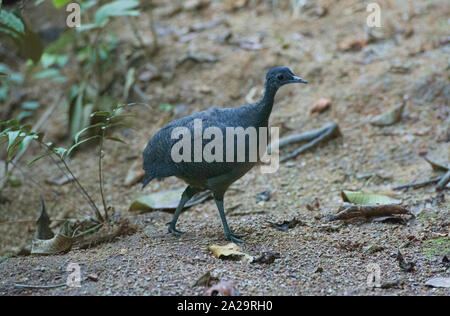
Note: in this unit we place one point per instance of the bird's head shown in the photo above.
(279, 76)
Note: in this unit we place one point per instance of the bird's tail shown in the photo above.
(146, 180)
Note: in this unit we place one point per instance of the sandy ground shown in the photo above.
(317, 257)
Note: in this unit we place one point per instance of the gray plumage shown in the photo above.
(215, 176)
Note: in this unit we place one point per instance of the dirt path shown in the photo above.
(317, 257)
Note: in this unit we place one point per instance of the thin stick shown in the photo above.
(91, 202)
(28, 286)
(100, 174)
(77, 184)
(330, 132)
(417, 185)
(443, 183)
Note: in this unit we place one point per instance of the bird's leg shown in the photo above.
(187, 195)
(228, 234)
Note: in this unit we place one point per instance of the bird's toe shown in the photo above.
(175, 231)
(234, 238)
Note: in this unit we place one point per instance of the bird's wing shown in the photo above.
(158, 161)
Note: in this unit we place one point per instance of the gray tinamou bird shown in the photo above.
(216, 176)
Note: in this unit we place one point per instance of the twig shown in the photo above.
(329, 131)
(88, 231)
(91, 202)
(417, 185)
(368, 211)
(76, 183)
(100, 174)
(28, 286)
(443, 183)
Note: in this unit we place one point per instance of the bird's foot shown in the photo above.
(236, 238)
(175, 231)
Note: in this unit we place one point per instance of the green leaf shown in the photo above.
(11, 21)
(12, 136)
(52, 73)
(60, 3)
(116, 8)
(60, 151)
(48, 153)
(30, 105)
(76, 117)
(47, 60)
(24, 115)
(4, 93)
(362, 198)
(79, 143)
(2, 74)
(86, 27)
(164, 200)
(26, 141)
(101, 114)
(115, 139)
(166, 107)
(77, 136)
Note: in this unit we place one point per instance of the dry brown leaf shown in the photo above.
(321, 105)
(230, 251)
(438, 282)
(57, 244)
(390, 117)
(352, 45)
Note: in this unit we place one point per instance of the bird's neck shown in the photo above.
(266, 103)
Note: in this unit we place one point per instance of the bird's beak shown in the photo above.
(299, 80)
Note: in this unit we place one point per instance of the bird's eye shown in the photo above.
(280, 77)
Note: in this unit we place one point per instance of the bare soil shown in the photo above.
(318, 257)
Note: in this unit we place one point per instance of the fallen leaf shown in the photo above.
(135, 173)
(206, 280)
(223, 288)
(436, 166)
(93, 277)
(373, 248)
(368, 211)
(404, 265)
(363, 198)
(165, 200)
(43, 231)
(287, 224)
(267, 257)
(60, 180)
(57, 244)
(230, 251)
(391, 284)
(318, 270)
(391, 117)
(321, 105)
(352, 45)
(438, 282)
(263, 196)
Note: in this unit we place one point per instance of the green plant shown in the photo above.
(18, 136)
